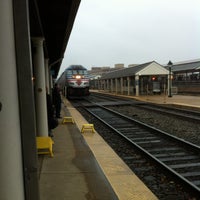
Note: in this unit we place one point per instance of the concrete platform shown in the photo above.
(85, 167)
(73, 172)
(182, 100)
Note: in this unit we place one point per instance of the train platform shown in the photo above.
(85, 167)
(179, 100)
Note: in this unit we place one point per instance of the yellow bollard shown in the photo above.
(87, 127)
(44, 145)
(67, 119)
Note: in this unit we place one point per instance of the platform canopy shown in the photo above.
(190, 66)
(150, 68)
(53, 21)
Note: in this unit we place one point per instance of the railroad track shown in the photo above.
(178, 157)
(182, 113)
(178, 112)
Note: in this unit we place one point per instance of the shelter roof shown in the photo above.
(186, 66)
(150, 68)
(53, 20)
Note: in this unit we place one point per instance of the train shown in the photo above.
(74, 82)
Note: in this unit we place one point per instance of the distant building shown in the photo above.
(119, 66)
(98, 71)
(141, 79)
(132, 65)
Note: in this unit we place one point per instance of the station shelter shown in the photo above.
(186, 77)
(147, 78)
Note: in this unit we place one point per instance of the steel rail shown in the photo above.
(181, 113)
(117, 116)
(187, 114)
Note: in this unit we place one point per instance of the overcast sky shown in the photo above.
(108, 32)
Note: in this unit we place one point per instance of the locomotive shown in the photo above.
(74, 81)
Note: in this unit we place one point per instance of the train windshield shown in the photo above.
(81, 72)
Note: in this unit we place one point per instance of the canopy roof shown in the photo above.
(53, 20)
(150, 68)
(186, 66)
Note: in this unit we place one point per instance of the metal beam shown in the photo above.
(26, 98)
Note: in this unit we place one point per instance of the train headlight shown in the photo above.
(78, 76)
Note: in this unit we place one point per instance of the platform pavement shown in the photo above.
(73, 172)
(182, 100)
(85, 167)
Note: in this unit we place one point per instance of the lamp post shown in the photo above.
(170, 64)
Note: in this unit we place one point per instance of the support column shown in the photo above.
(116, 85)
(128, 85)
(101, 84)
(11, 167)
(111, 85)
(104, 85)
(26, 99)
(40, 90)
(137, 85)
(121, 85)
(98, 84)
(51, 81)
(108, 85)
(47, 75)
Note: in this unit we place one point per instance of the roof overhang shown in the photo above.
(53, 20)
(146, 69)
(152, 69)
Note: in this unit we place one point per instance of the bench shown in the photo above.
(44, 145)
